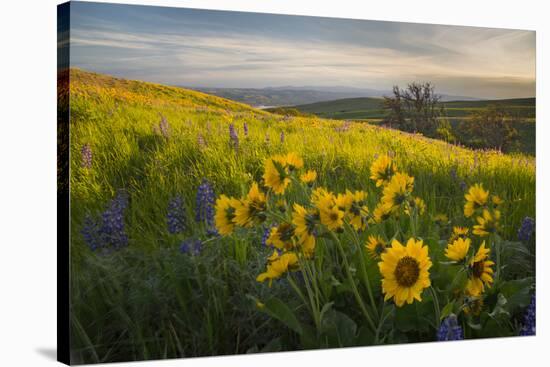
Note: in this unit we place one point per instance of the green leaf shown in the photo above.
(277, 309)
(447, 310)
(518, 293)
(339, 329)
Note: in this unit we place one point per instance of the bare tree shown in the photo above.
(414, 109)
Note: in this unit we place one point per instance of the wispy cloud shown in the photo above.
(208, 50)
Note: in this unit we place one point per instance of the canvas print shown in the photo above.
(235, 182)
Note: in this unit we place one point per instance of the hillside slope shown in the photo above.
(122, 123)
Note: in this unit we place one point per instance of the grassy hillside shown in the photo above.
(371, 110)
(153, 143)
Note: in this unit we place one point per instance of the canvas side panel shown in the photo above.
(63, 256)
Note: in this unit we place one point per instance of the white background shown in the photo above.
(28, 181)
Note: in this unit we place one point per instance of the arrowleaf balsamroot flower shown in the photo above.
(487, 223)
(476, 197)
(277, 170)
(305, 221)
(382, 170)
(381, 212)
(481, 272)
(225, 213)
(308, 177)
(405, 271)
(458, 249)
(458, 232)
(251, 210)
(329, 212)
(281, 237)
(398, 190)
(376, 246)
(278, 265)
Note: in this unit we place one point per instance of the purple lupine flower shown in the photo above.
(450, 330)
(91, 231)
(201, 142)
(86, 155)
(463, 185)
(176, 218)
(164, 127)
(282, 138)
(233, 136)
(191, 247)
(530, 319)
(204, 209)
(107, 232)
(113, 231)
(245, 129)
(454, 174)
(526, 230)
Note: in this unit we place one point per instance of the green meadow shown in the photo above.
(148, 300)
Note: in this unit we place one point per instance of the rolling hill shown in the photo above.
(372, 108)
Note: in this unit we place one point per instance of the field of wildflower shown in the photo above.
(201, 226)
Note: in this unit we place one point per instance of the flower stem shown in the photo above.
(352, 283)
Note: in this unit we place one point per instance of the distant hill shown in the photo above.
(372, 108)
(292, 95)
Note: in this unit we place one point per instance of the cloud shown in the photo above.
(460, 60)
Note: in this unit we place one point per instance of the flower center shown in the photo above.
(334, 216)
(407, 271)
(478, 268)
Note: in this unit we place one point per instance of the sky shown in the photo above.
(206, 48)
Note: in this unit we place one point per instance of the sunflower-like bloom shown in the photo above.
(487, 223)
(458, 232)
(382, 170)
(496, 200)
(475, 198)
(382, 212)
(357, 211)
(376, 246)
(308, 177)
(293, 161)
(458, 249)
(320, 194)
(481, 272)
(277, 266)
(332, 217)
(304, 221)
(281, 236)
(441, 219)
(405, 271)
(251, 210)
(275, 175)
(419, 204)
(398, 190)
(225, 213)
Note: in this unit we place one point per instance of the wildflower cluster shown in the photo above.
(86, 156)
(204, 209)
(176, 218)
(107, 232)
(450, 330)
